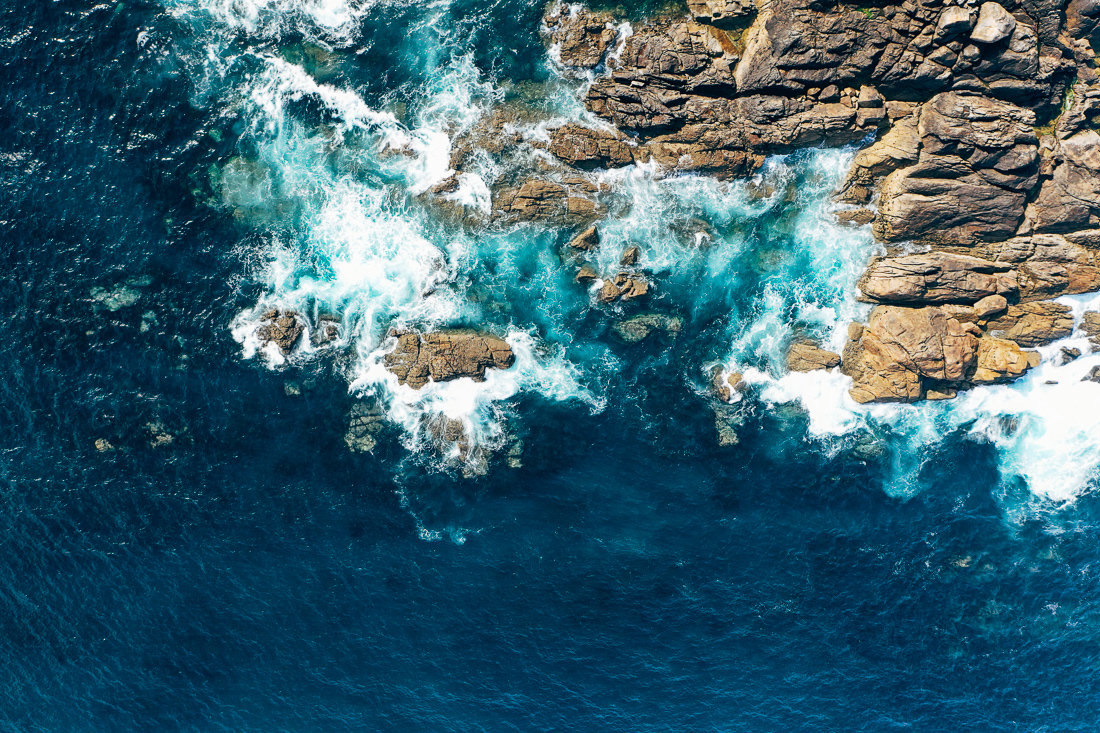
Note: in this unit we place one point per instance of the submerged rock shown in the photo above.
(365, 422)
(640, 327)
(441, 356)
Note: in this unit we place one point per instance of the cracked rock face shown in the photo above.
(441, 356)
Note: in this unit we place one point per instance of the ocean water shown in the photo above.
(186, 543)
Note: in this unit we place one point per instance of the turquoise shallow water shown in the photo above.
(171, 170)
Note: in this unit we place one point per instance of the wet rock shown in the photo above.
(550, 201)
(721, 13)
(936, 277)
(624, 286)
(441, 356)
(901, 347)
(994, 24)
(726, 386)
(326, 331)
(588, 148)
(452, 440)
(582, 36)
(630, 256)
(1068, 354)
(855, 217)
(1093, 375)
(365, 422)
(640, 327)
(1034, 324)
(1090, 325)
(586, 274)
(587, 240)
(1001, 360)
(282, 328)
(806, 356)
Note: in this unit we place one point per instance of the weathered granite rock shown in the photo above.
(630, 256)
(586, 274)
(441, 356)
(1049, 264)
(901, 347)
(640, 327)
(282, 328)
(977, 163)
(936, 277)
(806, 356)
(1034, 324)
(953, 21)
(989, 306)
(549, 201)
(900, 146)
(588, 148)
(587, 240)
(994, 24)
(1069, 199)
(624, 286)
(1001, 360)
(582, 36)
(721, 13)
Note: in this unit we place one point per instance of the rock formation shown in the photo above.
(441, 356)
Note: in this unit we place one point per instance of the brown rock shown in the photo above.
(588, 148)
(1090, 324)
(1034, 324)
(936, 277)
(441, 356)
(282, 328)
(582, 36)
(855, 217)
(724, 385)
(630, 256)
(587, 240)
(586, 274)
(624, 286)
(1001, 360)
(806, 356)
(989, 306)
(542, 200)
(721, 13)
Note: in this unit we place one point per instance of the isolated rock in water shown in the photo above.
(1001, 360)
(326, 331)
(936, 277)
(806, 356)
(121, 297)
(640, 327)
(1093, 375)
(452, 440)
(441, 356)
(994, 24)
(282, 328)
(588, 148)
(721, 13)
(587, 240)
(586, 274)
(624, 286)
(630, 256)
(1034, 324)
(582, 36)
(1090, 324)
(365, 422)
(726, 385)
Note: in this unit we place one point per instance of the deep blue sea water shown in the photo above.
(633, 575)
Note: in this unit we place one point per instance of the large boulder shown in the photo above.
(936, 277)
(1070, 198)
(978, 162)
(589, 148)
(1048, 265)
(1001, 360)
(441, 356)
(902, 348)
(536, 199)
(994, 24)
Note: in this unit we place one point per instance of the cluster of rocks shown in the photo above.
(987, 156)
(284, 329)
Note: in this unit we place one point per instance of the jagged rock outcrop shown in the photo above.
(721, 13)
(581, 36)
(1050, 264)
(623, 286)
(569, 202)
(282, 328)
(441, 356)
(806, 356)
(1001, 360)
